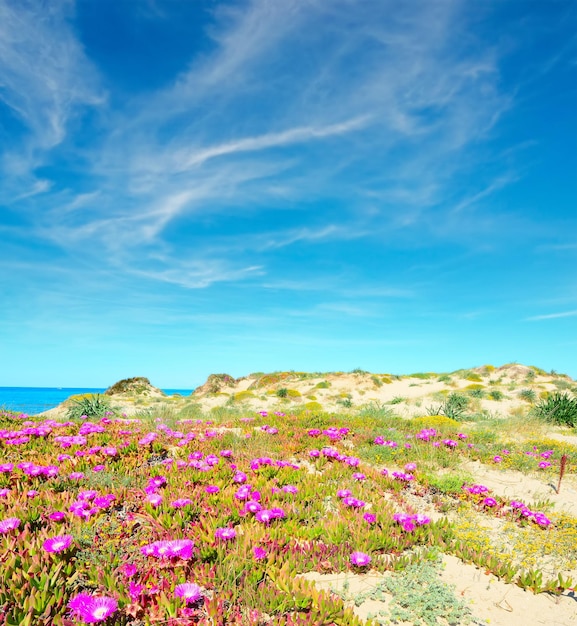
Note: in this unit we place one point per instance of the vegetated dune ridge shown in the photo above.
(493, 391)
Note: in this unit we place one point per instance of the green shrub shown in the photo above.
(324, 384)
(89, 405)
(528, 395)
(496, 394)
(562, 384)
(313, 406)
(559, 408)
(448, 483)
(241, 396)
(136, 385)
(378, 381)
(282, 392)
(453, 407)
(474, 377)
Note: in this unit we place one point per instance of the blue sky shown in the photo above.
(200, 186)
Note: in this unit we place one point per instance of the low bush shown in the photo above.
(89, 405)
(559, 408)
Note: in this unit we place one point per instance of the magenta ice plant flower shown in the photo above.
(259, 553)
(189, 592)
(10, 523)
(360, 559)
(129, 570)
(180, 503)
(154, 499)
(252, 506)
(177, 548)
(93, 609)
(58, 544)
(226, 534)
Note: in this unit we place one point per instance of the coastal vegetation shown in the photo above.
(183, 514)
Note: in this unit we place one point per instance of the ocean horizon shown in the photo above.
(34, 400)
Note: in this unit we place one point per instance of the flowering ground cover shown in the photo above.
(211, 520)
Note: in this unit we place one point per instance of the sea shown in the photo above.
(33, 400)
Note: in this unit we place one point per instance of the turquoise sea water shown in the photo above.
(33, 400)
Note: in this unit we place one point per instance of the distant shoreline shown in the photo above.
(34, 400)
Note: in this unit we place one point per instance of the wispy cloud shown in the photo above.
(551, 316)
(373, 114)
(46, 79)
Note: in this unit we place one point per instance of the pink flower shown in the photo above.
(544, 464)
(410, 467)
(476, 489)
(353, 502)
(134, 590)
(92, 609)
(541, 519)
(497, 459)
(58, 544)
(212, 489)
(370, 518)
(177, 548)
(180, 503)
(253, 507)
(265, 516)
(226, 534)
(129, 570)
(360, 559)
(155, 499)
(190, 592)
(259, 553)
(57, 516)
(490, 502)
(10, 523)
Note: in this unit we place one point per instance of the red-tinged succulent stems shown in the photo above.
(562, 467)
